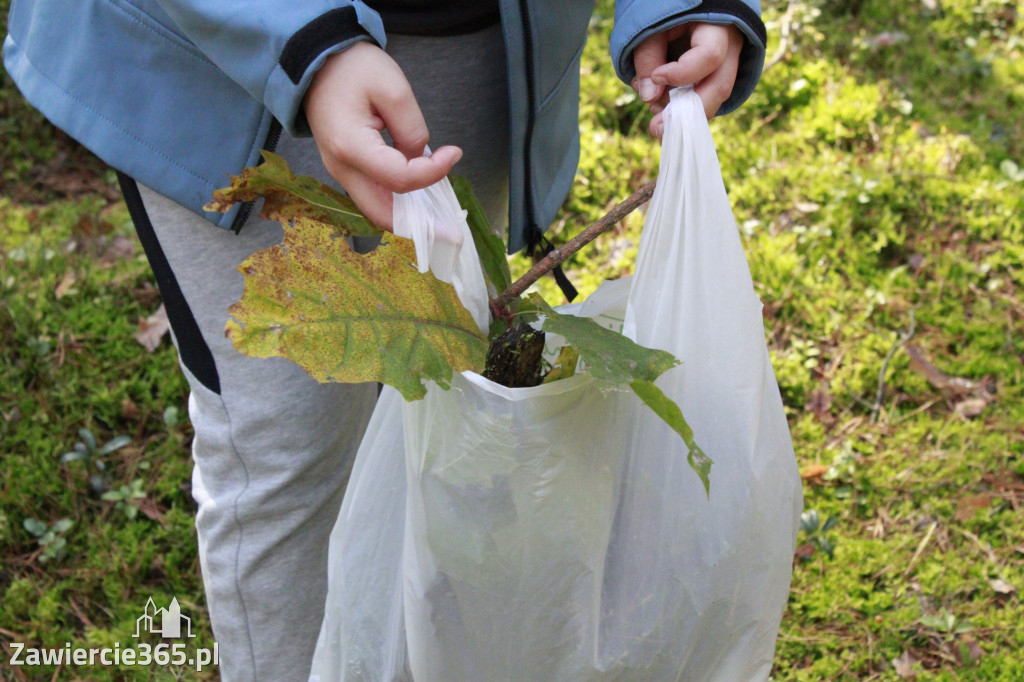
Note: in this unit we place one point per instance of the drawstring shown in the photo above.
(538, 246)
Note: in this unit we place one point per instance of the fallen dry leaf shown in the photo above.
(151, 510)
(819, 403)
(962, 650)
(152, 329)
(951, 386)
(1001, 586)
(813, 471)
(120, 247)
(971, 407)
(66, 285)
(971, 397)
(968, 506)
(804, 551)
(129, 410)
(904, 665)
(974, 648)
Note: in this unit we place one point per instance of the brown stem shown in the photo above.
(548, 263)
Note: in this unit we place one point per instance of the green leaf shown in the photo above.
(171, 416)
(34, 526)
(115, 444)
(564, 365)
(609, 356)
(287, 197)
(809, 521)
(670, 413)
(489, 246)
(115, 495)
(346, 317)
(88, 439)
(617, 360)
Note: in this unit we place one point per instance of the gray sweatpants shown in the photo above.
(273, 448)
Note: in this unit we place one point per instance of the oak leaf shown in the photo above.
(287, 197)
(347, 317)
(616, 360)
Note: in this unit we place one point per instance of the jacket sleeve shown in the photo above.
(636, 20)
(272, 48)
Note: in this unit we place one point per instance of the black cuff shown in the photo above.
(309, 42)
(736, 8)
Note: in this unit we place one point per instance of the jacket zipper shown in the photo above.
(273, 137)
(533, 232)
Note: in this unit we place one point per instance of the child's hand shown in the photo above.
(706, 56)
(358, 93)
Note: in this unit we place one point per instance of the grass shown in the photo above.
(876, 178)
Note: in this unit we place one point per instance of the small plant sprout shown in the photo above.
(50, 538)
(951, 635)
(124, 496)
(87, 451)
(815, 531)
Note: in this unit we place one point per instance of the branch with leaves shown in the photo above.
(562, 253)
(350, 317)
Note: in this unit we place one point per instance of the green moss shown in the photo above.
(877, 189)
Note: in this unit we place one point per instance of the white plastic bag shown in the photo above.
(557, 532)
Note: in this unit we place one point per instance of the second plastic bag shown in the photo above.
(558, 532)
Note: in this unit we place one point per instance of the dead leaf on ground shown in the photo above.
(119, 248)
(969, 506)
(971, 407)
(819, 403)
(66, 285)
(971, 397)
(804, 552)
(151, 509)
(904, 665)
(813, 472)
(973, 647)
(129, 410)
(952, 386)
(962, 650)
(1001, 586)
(91, 226)
(151, 330)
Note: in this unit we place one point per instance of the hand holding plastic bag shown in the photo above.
(557, 532)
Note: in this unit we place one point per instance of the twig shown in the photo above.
(977, 541)
(784, 30)
(880, 393)
(548, 263)
(920, 547)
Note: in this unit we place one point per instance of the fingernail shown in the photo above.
(648, 90)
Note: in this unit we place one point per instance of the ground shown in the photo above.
(877, 178)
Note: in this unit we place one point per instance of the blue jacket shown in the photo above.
(181, 93)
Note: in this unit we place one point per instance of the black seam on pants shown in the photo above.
(192, 347)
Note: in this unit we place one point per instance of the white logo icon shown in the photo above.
(169, 620)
